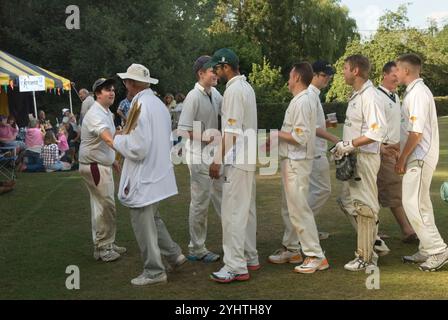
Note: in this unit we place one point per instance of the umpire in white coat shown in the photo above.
(148, 176)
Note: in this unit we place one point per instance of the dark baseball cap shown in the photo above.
(223, 56)
(101, 83)
(323, 66)
(200, 63)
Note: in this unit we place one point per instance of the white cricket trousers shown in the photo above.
(239, 220)
(365, 189)
(153, 240)
(300, 226)
(203, 189)
(418, 206)
(99, 180)
(320, 184)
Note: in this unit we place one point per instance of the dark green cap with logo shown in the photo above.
(223, 56)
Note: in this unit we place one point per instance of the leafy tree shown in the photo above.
(290, 30)
(393, 39)
(268, 83)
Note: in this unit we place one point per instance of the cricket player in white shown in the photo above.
(96, 160)
(238, 147)
(389, 183)
(418, 161)
(363, 132)
(148, 176)
(320, 182)
(202, 107)
(296, 151)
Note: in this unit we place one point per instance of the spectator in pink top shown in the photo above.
(8, 133)
(34, 140)
(63, 143)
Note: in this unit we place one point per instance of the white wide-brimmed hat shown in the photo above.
(138, 72)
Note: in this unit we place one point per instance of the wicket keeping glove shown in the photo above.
(344, 148)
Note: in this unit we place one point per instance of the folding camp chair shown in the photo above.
(8, 158)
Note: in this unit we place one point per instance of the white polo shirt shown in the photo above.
(201, 107)
(419, 115)
(321, 145)
(392, 111)
(239, 117)
(365, 117)
(93, 149)
(300, 121)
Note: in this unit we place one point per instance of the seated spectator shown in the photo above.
(7, 186)
(8, 134)
(34, 141)
(44, 123)
(50, 155)
(73, 138)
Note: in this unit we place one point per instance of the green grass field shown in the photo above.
(45, 227)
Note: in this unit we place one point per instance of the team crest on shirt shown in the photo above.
(375, 127)
(231, 122)
(413, 119)
(298, 131)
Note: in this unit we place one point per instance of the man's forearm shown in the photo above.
(362, 141)
(287, 137)
(323, 134)
(412, 142)
(107, 137)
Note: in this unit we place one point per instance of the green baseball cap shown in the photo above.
(223, 56)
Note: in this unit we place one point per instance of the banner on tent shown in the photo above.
(31, 83)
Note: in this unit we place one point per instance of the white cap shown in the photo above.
(138, 72)
(65, 110)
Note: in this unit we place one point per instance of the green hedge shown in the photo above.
(270, 115)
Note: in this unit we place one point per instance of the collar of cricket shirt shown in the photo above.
(365, 86)
(103, 109)
(235, 79)
(391, 95)
(298, 96)
(314, 89)
(412, 84)
(202, 89)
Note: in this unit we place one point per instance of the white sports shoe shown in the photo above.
(226, 276)
(117, 249)
(381, 248)
(106, 254)
(435, 262)
(144, 280)
(358, 264)
(180, 260)
(415, 258)
(285, 256)
(312, 264)
(120, 250)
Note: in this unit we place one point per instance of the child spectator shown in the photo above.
(50, 155)
(62, 142)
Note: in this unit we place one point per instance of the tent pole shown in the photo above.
(35, 105)
(71, 103)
